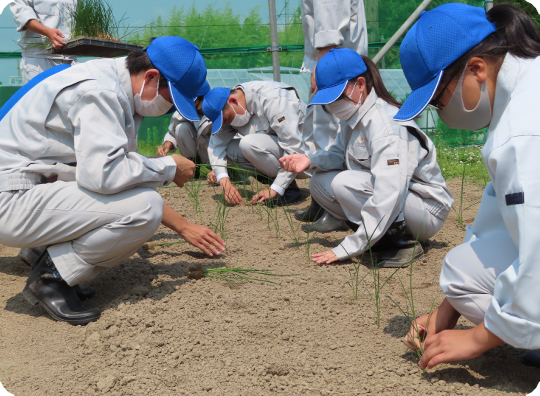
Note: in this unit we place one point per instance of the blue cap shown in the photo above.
(213, 104)
(439, 38)
(181, 63)
(333, 72)
(204, 89)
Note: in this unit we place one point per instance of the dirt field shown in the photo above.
(162, 334)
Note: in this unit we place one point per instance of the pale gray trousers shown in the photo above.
(189, 144)
(86, 232)
(469, 270)
(344, 193)
(258, 152)
(31, 67)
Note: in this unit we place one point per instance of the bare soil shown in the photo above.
(164, 334)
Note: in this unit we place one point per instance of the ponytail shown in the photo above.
(516, 33)
(374, 81)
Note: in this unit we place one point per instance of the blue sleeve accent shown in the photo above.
(28, 86)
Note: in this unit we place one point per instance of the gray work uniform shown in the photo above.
(83, 115)
(53, 14)
(339, 23)
(274, 130)
(377, 171)
(493, 276)
(190, 137)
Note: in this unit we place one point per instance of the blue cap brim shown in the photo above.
(328, 95)
(418, 100)
(218, 123)
(183, 104)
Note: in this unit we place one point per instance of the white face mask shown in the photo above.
(153, 108)
(456, 116)
(240, 119)
(344, 109)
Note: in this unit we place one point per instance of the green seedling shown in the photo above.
(231, 275)
(94, 18)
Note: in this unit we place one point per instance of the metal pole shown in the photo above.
(408, 23)
(274, 37)
(489, 5)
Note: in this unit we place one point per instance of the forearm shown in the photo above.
(37, 27)
(486, 338)
(173, 220)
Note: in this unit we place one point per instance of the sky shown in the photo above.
(138, 13)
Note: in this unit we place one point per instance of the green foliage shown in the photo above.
(94, 18)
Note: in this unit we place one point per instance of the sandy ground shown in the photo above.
(162, 334)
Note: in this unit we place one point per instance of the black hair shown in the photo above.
(138, 62)
(516, 33)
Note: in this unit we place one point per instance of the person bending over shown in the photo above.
(381, 176)
(483, 70)
(93, 216)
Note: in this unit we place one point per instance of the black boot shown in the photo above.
(404, 249)
(327, 223)
(292, 194)
(531, 358)
(310, 214)
(46, 287)
(31, 256)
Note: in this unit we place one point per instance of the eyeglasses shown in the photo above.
(436, 103)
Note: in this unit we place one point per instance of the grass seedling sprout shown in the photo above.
(94, 18)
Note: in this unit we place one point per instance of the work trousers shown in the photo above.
(258, 152)
(189, 144)
(320, 128)
(469, 270)
(85, 232)
(31, 67)
(344, 193)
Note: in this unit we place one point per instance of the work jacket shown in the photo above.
(54, 14)
(276, 109)
(511, 156)
(200, 130)
(83, 115)
(341, 23)
(398, 155)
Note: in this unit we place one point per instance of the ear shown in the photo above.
(151, 75)
(232, 100)
(361, 83)
(478, 68)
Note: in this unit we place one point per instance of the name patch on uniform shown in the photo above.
(393, 162)
(281, 119)
(515, 199)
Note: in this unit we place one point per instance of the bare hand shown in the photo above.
(445, 317)
(184, 169)
(55, 36)
(295, 163)
(165, 148)
(204, 239)
(263, 195)
(211, 178)
(452, 345)
(313, 82)
(324, 257)
(231, 194)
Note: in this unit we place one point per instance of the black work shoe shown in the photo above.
(292, 194)
(46, 287)
(310, 214)
(400, 257)
(531, 358)
(31, 256)
(327, 223)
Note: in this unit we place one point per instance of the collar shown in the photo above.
(125, 81)
(507, 79)
(249, 97)
(364, 108)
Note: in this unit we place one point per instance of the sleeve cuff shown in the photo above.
(340, 252)
(278, 189)
(326, 38)
(221, 176)
(23, 18)
(170, 169)
(169, 138)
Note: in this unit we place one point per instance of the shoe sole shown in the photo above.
(27, 260)
(32, 299)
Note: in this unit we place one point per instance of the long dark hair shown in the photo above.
(374, 81)
(516, 33)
